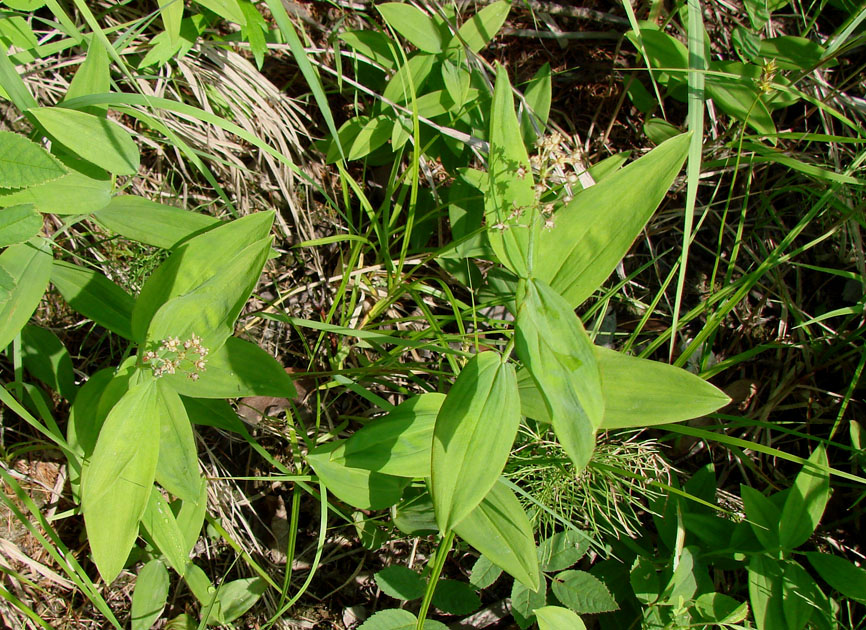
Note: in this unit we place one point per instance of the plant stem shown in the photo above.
(438, 563)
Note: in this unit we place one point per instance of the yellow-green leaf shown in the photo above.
(24, 163)
(27, 266)
(177, 469)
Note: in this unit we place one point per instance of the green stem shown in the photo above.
(438, 563)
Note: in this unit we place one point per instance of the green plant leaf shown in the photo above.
(196, 262)
(190, 517)
(24, 163)
(397, 619)
(484, 573)
(644, 580)
(400, 582)
(763, 516)
(177, 468)
(116, 487)
(525, 601)
(551, 342)
(412, 74)
(558, 618)
(582, 592)
(806, 501)
(374, 45)
(798, 588)
(97, 140)
(472, 436)
(590, 238)
(663, 50)
(500, 529)
(18, 224)
(562, 550)
(359, 488)
(46, 358)
(228, 10)
(398, 443)
(210, 309)
(739, 97)
(149, 596)
(413, 24)
(414, 514)
(28, 266)
(510, 206)
(481, 28)
(152, 223)
(160, 524)
(718, 608)
(235, 598)
(239, 368)
(94, 296)
(840, 574)
(93, 75)
(75, 192)
(538, 95)
(171, 13)
(791, 52)
(455, 597)
(765, 592)
(639, 392)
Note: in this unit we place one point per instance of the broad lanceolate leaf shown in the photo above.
(94, 296)
(413, 24)
(161, 526)
(24, 163)
(472, 437)
(235, 598)
(27, 266)
(149, 596)
(153, 223)
(558, 618)
(500, 529)
(482, 27)
(398, 443)
(765, 592)
(239, 368)
(640, 393)
(359, 488)
(595, 230)
(116, 487)
(18, 224)
(46, 358)
(557, 351)
(763, 516)
(840, 574)
(196, 262)
(177, 469)
(510, 205)
(398, 619)
(806, 501)
(97, 140)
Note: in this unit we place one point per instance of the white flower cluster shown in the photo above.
(175, 355)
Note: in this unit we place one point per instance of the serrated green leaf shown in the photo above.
(500, 529)
(562, 550)
(558, 618)
(455, 597)
(594, 231)
(400, 582)
(19, 224)
(554, 347)
(28, 265)
(116, 487)
(73, 193)
(472, 436)
(398, 443)
(484, 573)
(24, 163)
(177, 469)
(582, 592)
(510, 204)
(525, 601)
(359, 488)
(805, 503)
(152, 223)
(97, 140)
(413, 24)
(149, 596)
(239, 368)
(482, 27)
(94, 296)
